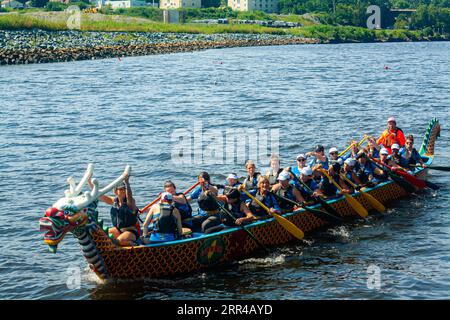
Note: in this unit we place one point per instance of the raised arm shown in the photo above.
(130, 200)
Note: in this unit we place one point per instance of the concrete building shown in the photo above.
(116, 4)
(176, 4)
(12, 4)
(269, 6)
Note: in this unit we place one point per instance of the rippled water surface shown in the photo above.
(56, 118)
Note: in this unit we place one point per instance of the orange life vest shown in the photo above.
(388, 138)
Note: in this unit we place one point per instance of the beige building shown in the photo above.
(11, 4)
(175, 4)
(269, 6)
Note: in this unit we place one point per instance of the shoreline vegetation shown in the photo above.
(36, 36)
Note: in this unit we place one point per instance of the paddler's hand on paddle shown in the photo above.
(241, 187)
(272, 210)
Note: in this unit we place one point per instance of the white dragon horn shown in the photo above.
(72, 186)
(96, 193)
(110, 186)
(83, 180)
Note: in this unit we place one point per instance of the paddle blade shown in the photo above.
(374, 202)
(411, 179)
(289, 226)
(431, 185)
(356, 206)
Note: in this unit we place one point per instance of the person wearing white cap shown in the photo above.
(301, 163)
(334, 155)
(163, 221)
(397, 158)
(283, 189)
(379, 174)
(350, 172)
(275, 169)
(306, 176)
(232, 181)
(391, 135)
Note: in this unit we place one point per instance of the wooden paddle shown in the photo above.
(285, 223)
(159, 197)
(374, 202)
(348, 148)
(358, 207)
(227, 212)
(318, 213)
(319, 199)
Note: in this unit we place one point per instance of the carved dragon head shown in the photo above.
(75, 209)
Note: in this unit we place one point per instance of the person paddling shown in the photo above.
(237, 207)
(411, 154)
(391, 135)
(334, 156)
(301, 163)
(372, 149)
(163, 221)
(123, 213)
(306, 176)
(283, 189)
(208, 218)
(327, 188)
(232, 182)
(350, 174)
(181, 203)
(396, 158)
(319, 157)
(263, 195)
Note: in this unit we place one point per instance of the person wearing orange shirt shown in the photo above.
(391, 135)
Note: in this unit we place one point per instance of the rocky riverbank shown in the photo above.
(37, 46)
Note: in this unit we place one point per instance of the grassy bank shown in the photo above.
(99, 22)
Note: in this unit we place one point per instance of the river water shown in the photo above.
(56, 118)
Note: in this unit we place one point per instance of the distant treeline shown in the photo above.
(433, 14)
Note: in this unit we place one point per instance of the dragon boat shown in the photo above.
(77, 213)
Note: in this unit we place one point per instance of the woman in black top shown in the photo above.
(123, 213)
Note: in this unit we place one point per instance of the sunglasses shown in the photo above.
(333, 153)
(301, 160)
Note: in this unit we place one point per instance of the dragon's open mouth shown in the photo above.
(53, 234)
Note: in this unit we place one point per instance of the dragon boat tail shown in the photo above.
(77, 213)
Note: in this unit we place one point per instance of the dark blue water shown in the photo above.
(56, 118)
